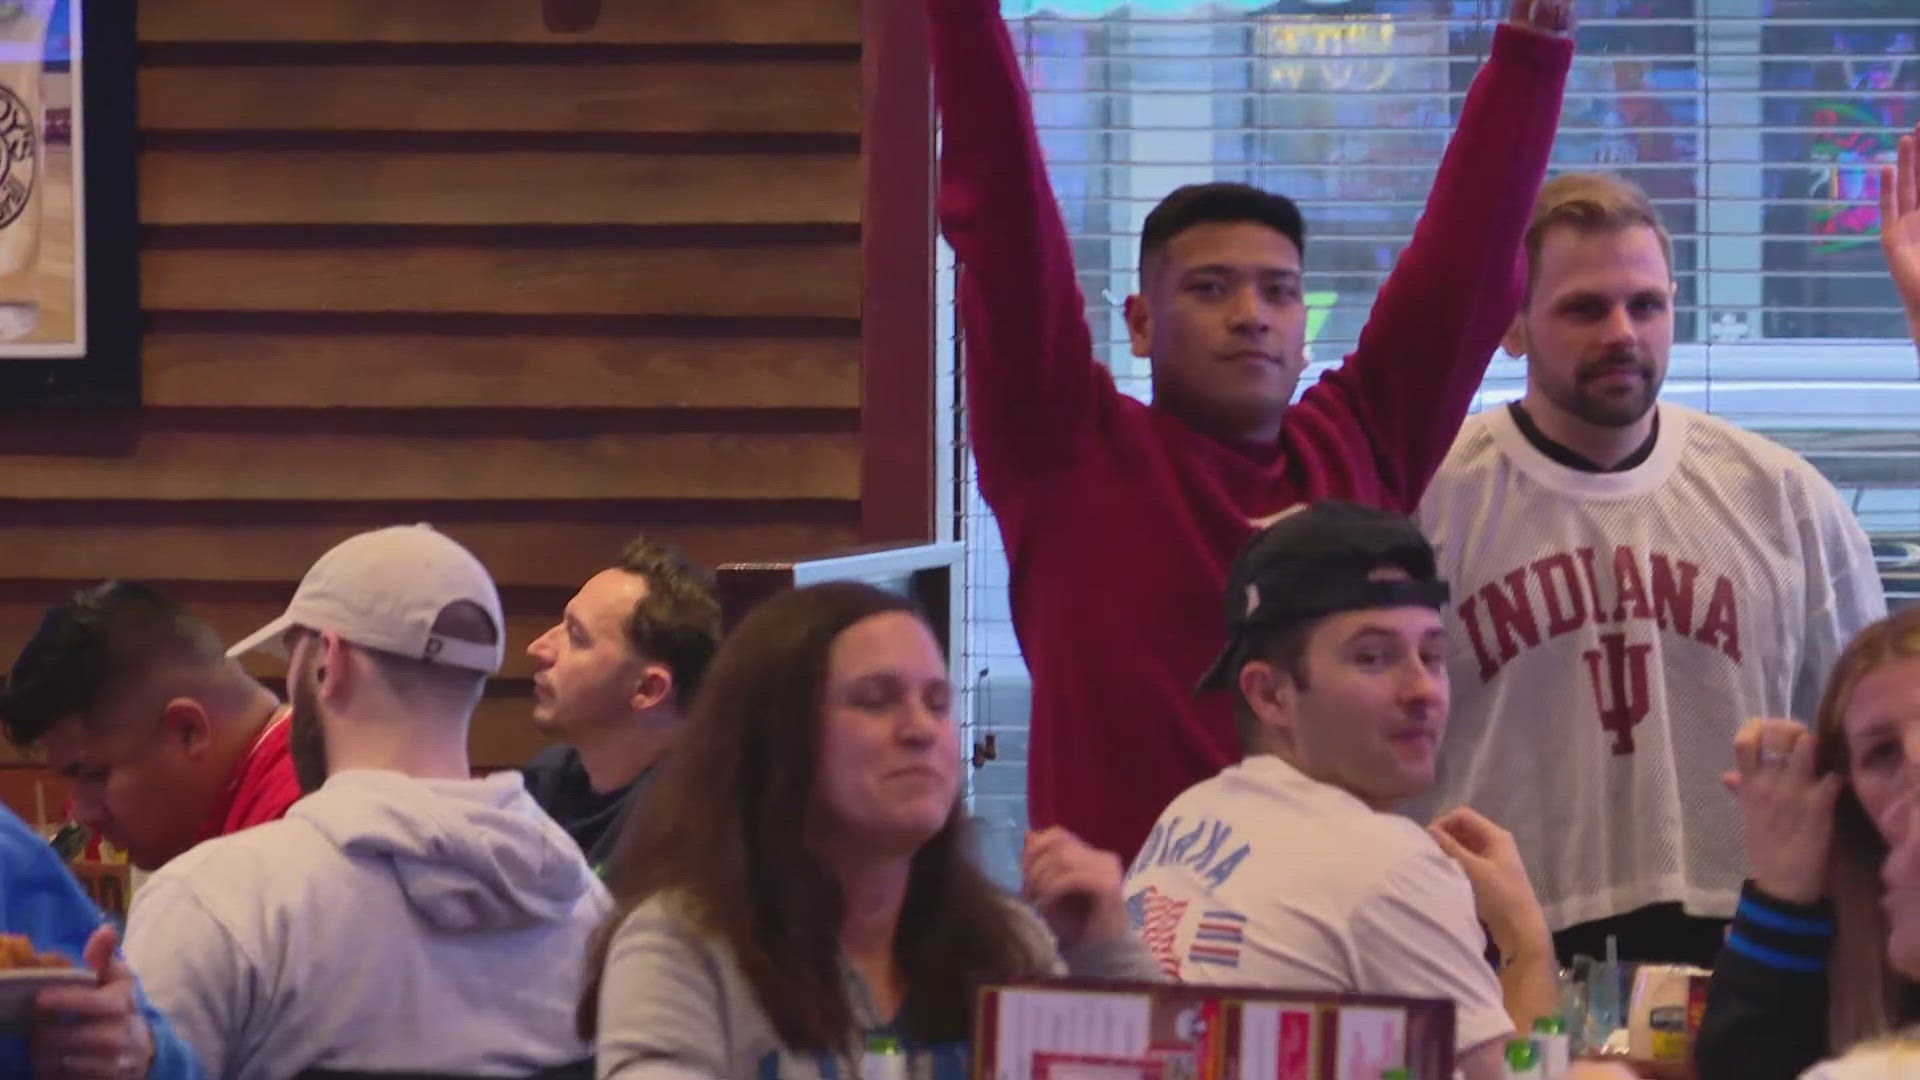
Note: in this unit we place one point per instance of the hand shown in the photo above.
(1502, 896)
(1553, 17)
(1788, 811)
(93, 1031)
(1075, 887)
(1900, 222)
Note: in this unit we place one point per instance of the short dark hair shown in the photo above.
(677, 621)
(1222, 201)
(93, 645)
(1285, 648)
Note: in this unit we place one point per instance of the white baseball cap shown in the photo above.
(385, 590)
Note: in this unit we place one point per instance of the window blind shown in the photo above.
(1755, 125)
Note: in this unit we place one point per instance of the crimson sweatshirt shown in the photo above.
(1120, 519)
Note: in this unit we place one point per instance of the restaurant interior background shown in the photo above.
(540, 285)
(1754, 124)
(545, 285)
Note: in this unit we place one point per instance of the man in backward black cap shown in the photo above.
(1290, 869)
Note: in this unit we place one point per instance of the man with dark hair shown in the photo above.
(1120, 518)
(405, 917)
(1290, 869)
(165, 740)
(615, 679)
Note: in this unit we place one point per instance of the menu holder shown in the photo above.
(1075, 1029)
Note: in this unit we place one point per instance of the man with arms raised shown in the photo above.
(404, 918)
(1092, 488)
(1290, 869)
(614, 680)
(165, 740)
(1633, 581)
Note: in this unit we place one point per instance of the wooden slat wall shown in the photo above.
(432, 260)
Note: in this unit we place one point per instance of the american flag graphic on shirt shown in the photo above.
(1157, 916)
(1217, 939)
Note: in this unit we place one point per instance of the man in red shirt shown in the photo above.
(1120, 518)
(165, 741)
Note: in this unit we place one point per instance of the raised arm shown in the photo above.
(1900, 226)
(1032, 383)
(1455, 289)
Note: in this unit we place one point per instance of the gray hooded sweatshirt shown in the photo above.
(387, 924)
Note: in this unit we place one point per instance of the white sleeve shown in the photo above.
(1844, 591)
(1872, 1064)
(661, 1008)
(191, 969)
(1417, 936)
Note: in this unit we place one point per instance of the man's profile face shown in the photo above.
(586, 671)
(131, 782)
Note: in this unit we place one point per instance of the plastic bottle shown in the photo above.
(885, 1059)
(1556, 1048)
(1523, 1059)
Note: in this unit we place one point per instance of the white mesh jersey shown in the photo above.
(1609, 633)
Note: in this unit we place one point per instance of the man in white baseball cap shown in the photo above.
(305, 944)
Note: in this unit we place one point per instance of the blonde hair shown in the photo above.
(1587, 203)
(1866, 998)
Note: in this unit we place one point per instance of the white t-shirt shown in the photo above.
(1610, 632)
(1264, 877)
(1878, 1063)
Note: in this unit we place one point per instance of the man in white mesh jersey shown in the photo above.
(1632, 581)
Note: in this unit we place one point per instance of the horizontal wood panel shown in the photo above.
(330, 369)
(390, 187)
(502, 737)
(520, 545)
(165, 463)
(621, 22)
(765, 279)
(664, 97)
(528, 616)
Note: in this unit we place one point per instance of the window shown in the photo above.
(1754, 124)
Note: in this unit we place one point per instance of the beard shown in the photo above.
(1582, 399)
(306, 739)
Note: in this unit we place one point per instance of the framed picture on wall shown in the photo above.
(69, 215)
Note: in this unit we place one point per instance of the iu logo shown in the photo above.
(1620, 690)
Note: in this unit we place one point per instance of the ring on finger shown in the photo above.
(1770, 757)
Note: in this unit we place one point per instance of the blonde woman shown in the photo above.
(1898, 1056)
(1805, 973)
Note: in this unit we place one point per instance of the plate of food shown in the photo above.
(24, 973)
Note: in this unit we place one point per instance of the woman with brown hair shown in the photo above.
(1896, 1057)
(800, 881)
(1805, 974)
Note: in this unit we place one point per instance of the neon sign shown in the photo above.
(1352, 52)
(1849, 177)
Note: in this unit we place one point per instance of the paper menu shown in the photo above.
(1066, 1030)
(1372, 1040)
(1277, 1041)
(1067, 1023)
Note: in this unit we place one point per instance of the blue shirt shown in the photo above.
(43, 900)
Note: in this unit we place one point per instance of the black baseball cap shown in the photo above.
(1315, 560)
